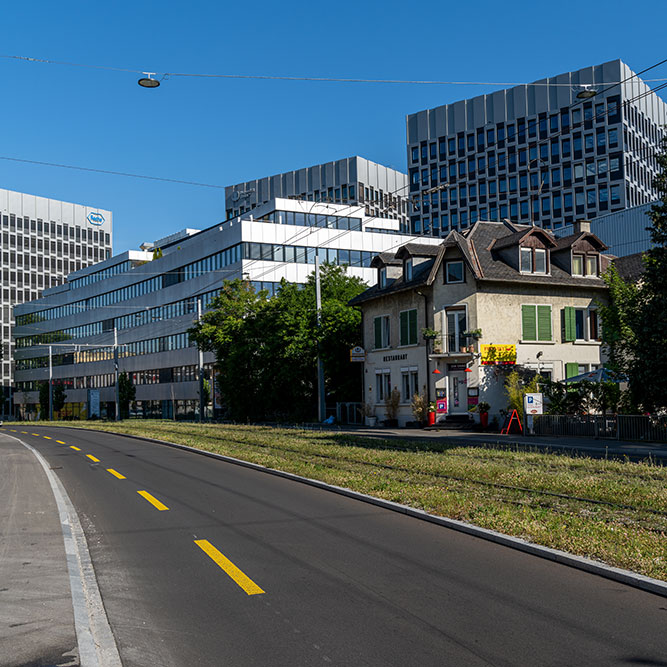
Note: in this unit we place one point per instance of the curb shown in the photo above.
(579, 562)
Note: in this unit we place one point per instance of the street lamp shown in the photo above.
(586, 92)
(147, 81)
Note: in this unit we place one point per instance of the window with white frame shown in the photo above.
(382, 330)
(382, 385)
(454, 272)
(580, 324)
(533, 260)
(409, 383)
(382, 277)
(407, 269)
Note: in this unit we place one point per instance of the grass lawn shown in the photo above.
(610, 511)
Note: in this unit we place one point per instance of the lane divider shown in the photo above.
(92, 458)
(37, 434)
(60, 442)
(153, 501)
(115, 473)
(239, 577)
(78, 449)
(47, 437)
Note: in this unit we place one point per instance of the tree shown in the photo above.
(127, 392)
(59, 396)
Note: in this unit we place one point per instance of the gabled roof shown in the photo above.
(416, 250)
(568, 241)
(385, 259)
(517, 237)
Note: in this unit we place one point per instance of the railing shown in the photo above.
(349, 413)
(452, 344)
(647, 428)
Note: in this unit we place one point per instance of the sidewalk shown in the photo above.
(598, 448)
(36, 615)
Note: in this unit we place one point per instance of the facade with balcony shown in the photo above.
(450, 322)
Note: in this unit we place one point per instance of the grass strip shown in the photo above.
(611, 511)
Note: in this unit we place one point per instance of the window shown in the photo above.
(408, 327)
(526, 260)
(456, 327)
(593, 325)
(382, 277)
(591, 265)
(382, 385)
(382, 332)
(577, 265)
(409, 383)
(580, 324)
(536, 323)
(540, 260)
(454, 272)
(407, 269)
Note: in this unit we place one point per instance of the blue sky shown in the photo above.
(224, 131)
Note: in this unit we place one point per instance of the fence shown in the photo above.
(349, 413)
(648, 428)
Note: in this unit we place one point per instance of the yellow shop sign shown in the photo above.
(498, 354)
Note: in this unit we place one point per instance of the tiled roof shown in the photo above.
(630, 267)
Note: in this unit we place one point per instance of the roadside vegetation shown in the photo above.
(610, 511)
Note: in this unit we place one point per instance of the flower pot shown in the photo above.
(371, 421)
(484, 419)
(431, 418)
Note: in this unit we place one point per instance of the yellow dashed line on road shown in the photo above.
(115, 473)
(60, 442)
(24, 432)
(13, 430)
(47, 437)
(153, 501)
(37, 434)
(92, 458)
(239, 577)
(78, 449)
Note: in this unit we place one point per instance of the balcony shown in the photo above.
(453, 345)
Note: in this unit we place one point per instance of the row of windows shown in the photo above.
(136, 348)
(272, 252)
(18, 223)
(187, 272)
(407, 329)
(409, 384)
(312, 220)
(521, 130)
(155, 376)
(91, 278)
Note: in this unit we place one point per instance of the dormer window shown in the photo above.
(577, 265)
(591, 265)
(533, 260)
(407, 269)
(382, 277)
(585, 265)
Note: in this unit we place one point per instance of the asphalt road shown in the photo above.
(216, 564)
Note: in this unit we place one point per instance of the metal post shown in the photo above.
(50, 384)
(321, 407)
(115, 367)
(200, 362)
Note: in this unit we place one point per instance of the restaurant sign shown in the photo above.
(493, 355)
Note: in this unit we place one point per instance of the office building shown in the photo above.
(537, 153)
(150, 301)
(381, 190)
(42, 241)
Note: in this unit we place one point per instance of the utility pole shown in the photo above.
(200, 362)
(115, 368)
(50, 383)
(321, 406)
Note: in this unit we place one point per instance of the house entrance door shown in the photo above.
(458, 394)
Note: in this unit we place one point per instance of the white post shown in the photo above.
(200, 363)
(115, 366)
(50, 383)
(321, 405)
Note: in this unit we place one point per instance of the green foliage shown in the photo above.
(516, 387)
(59, 396)
(126, 394)
(392, 402)
(206, 386)
(44, 400)
(157, 253)
(635, 321)
(420, 407)
(266, 349)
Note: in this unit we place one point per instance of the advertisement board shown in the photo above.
(498, 354)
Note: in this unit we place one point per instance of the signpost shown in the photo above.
(532, 405)
(358, 354)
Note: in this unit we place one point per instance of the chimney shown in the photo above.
(581, 226)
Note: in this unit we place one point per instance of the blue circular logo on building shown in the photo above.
(96, 219)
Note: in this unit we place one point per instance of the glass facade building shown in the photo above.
(536, 153)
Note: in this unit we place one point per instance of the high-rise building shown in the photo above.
(147, 302)
(354, 180)
(580, 144)
(43, 240)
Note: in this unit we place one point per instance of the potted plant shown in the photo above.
(483, 410)
(474, 333)
(420, 408)
(431, 413)
(391, 404)
(368, 412)
(433, 335)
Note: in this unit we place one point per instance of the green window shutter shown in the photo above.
(571, 370)
(528, 323)
(378, 333)
(403, 320)
(412, 327)
(544, 323)
(570, 324)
